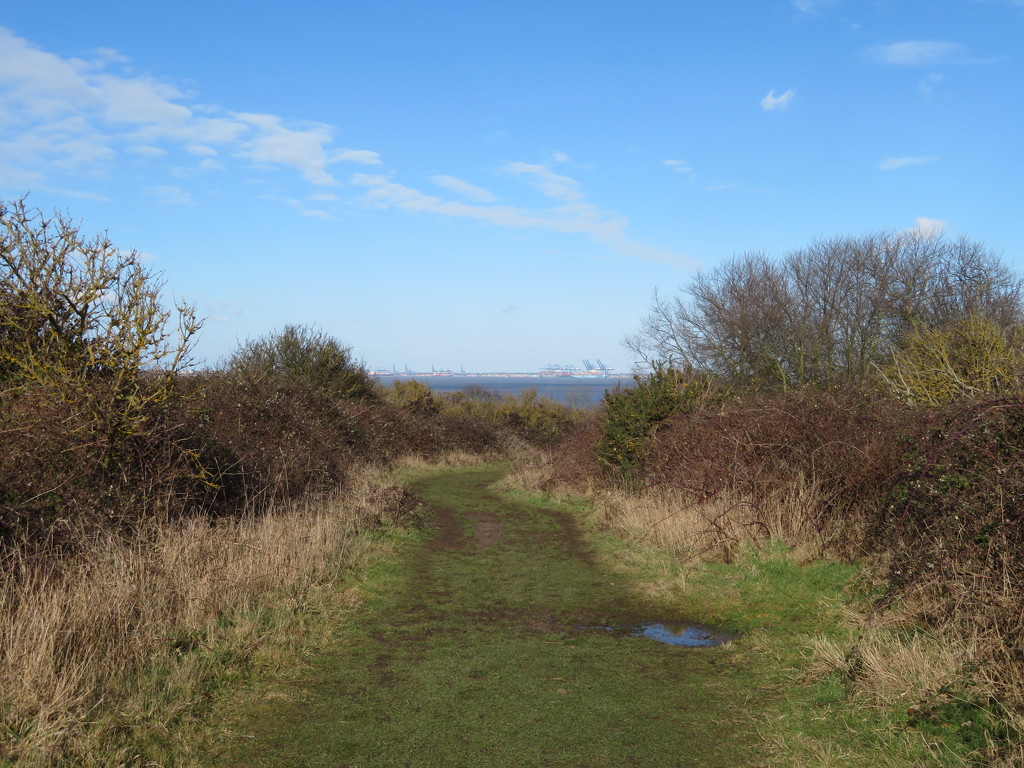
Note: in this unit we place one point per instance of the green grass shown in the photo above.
(468, 651)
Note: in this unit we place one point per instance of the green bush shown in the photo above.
(413, 395)
(971, 358)
(536, 418)
(526, 415)
(304, 354)
(633, 414)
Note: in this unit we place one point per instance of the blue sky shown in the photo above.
(499, 186)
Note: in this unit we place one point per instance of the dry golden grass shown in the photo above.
(718, 528)
(890, 667)
(686, 524)
(796, 750)
(414, 462)
(126, 641)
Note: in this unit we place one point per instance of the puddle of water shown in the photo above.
(685, 633)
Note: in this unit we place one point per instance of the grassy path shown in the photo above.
(469, 653)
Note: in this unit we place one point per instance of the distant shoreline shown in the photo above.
(500, 375)
(569, 389)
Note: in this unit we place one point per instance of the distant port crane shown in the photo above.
(589, 370)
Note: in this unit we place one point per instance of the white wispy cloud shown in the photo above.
(275, 144)
(919, 53)
(677, 166)
(575, 216)
(464, 189)
(362, 156)
(65, 144)
(892, 163)
(811, 6)
(61, 113)
(547, 181)
(925, 227)
(771, 102)
(560, 157)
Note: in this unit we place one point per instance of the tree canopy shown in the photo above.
(827, 314)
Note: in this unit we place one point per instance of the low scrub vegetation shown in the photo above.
(522, 418)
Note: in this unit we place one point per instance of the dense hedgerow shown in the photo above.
(89, 365)
(954, 523)
(849, 444)
(277, 437)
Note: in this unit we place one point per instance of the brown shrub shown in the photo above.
(754, 450)
(268, 438)
(275, 438)
(61, 470)
(848, 444)
(571, 460)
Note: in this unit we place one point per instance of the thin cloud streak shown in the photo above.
(771, 102)
(464, 189)
(575, 217)
(547, 181)
(677, 166)
(919, 53)
(892, 163)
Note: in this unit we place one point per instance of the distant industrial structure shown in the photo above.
(590, 370)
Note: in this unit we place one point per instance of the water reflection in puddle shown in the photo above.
(689, 634)
(683, 633)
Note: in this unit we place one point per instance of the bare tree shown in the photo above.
(826, 314)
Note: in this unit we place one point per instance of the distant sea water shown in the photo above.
(570, 390)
